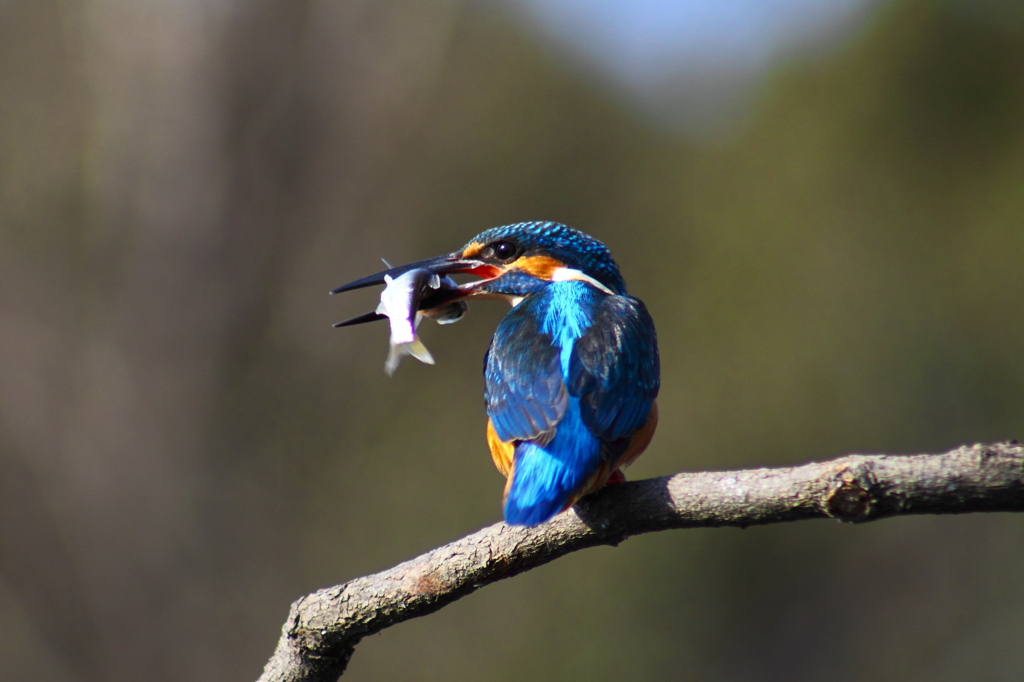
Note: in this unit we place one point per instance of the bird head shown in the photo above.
(512, 262)
(516, 260)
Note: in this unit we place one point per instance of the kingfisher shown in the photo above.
(572, 372)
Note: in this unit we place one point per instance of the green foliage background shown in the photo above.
(186, 446)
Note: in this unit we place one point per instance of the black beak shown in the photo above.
(441, 265)
(360, 319)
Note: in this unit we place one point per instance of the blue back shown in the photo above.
(570, 375)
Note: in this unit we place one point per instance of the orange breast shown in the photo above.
(501, 452)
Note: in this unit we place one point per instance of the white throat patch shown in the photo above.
(568, 274)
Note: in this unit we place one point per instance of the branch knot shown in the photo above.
(849, 498)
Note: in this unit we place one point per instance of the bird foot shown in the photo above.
(616, 477)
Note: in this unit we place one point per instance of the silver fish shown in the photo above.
(400, 301)
(450, 312)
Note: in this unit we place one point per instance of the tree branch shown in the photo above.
(323, 628)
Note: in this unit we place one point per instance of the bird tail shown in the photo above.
(546, 478)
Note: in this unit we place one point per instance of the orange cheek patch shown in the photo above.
(541, 267)
(472, 250)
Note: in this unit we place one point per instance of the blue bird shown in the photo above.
(572, 373)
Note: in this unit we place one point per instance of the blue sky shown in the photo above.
(642, 45)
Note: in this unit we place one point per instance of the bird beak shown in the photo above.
(441, 265)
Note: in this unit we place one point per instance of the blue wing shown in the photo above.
(524, 390)
(615, 370)
(571, 398)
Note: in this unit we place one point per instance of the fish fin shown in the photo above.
(391, 364)
(419, 351)
(400, 350)
(453, 312)
(381, 308)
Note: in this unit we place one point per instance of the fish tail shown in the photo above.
(400, 350)
(419, 351)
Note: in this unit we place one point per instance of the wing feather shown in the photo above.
(615, 370)
(524, 391)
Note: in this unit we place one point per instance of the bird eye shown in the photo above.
(504, 250)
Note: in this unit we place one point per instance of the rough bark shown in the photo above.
(323, 628)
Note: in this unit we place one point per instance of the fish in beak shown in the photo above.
(400, 302)
(443, 304)
(412, 292)
(441, 265)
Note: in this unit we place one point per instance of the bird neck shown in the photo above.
(513, 285)
(564, 311)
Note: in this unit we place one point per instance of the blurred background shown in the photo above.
(821, 202)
